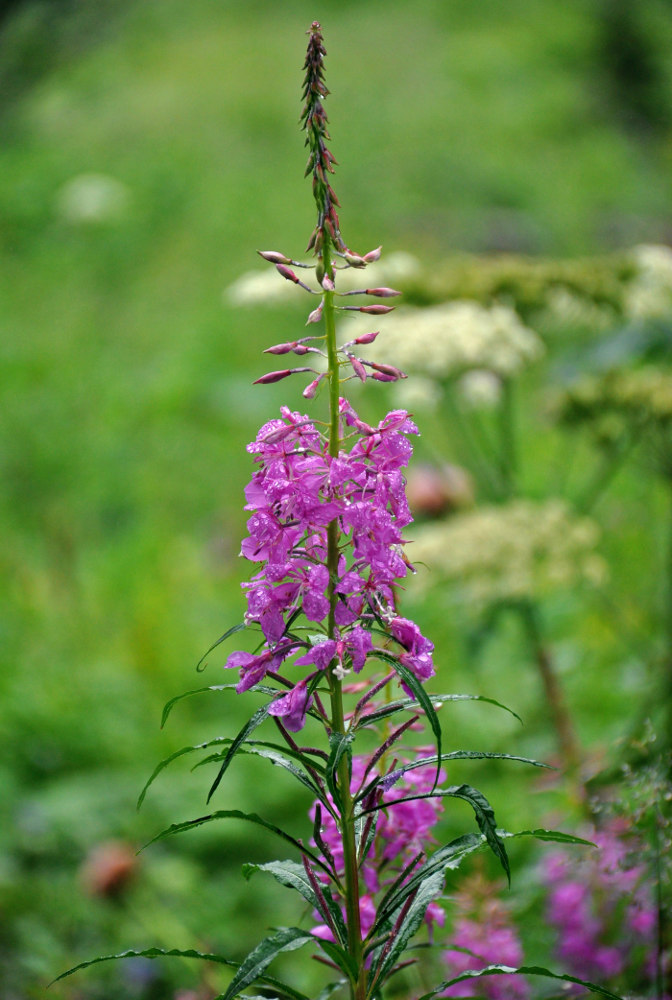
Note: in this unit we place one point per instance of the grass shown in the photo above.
(127, 399)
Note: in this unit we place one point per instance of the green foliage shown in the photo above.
(125, 410)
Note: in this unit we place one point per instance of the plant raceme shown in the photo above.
(327, 509)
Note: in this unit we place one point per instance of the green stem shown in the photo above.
(562, 721)
(358, 990)
(472, 454)
(507, 426)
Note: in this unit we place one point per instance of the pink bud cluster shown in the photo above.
(296, 493)
(603, 908)
(404, 831)
(361, 368)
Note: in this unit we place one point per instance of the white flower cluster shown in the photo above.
(455, 337)
(520, 550)
(268, 288)
(92, 198)
(649, 294)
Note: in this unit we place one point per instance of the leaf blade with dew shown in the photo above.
(412, 682)
(427, 891)
(292, 875)
(277, 758)
(252, 723)
(254, 965)
(340, 746)
(200, 666)
(524, 970)
(192, 824)
(219, 740)
(148, 953)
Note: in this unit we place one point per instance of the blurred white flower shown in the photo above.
(92, 198)
(480, 388)
(453, 338)
(649, 294)
(520, 550)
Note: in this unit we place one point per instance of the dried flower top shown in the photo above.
(320, 160)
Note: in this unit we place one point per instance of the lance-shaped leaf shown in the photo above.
(427, 891)
(416, 688)
(432, 761)
(485, 816)
(293, 876)
(229, 632)
(281, 990)
(340, 957)
(242, 736)
(277, 757)
(445, 858)
(437, 701)
(168, 707)
(148, 953)
(237, 814)
(218, 741)
(285, 939)
(524, 970)
(340, 744)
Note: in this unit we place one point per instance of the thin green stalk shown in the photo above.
(562, 722)
(507, 429)
(472, 455)
(358, 992)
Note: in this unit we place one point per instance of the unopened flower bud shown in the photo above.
(311, 388)
(382, 293)
(315, 316)
(367, 338)
(273, 377)
(281, 348)
(390, 370)
(357, 367)
(327, 283)
(376, 310)
(287, 272)
(353, 259)
(372, 255)
(274, 257)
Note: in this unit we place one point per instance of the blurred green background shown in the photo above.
(147, 149)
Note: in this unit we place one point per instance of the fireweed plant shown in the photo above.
(327, 510)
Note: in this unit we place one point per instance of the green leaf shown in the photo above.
(340, 957)
(339, 744)
(429, 888)
(412, 682)
(485, 817)
(178, 753)
(555, 836)
(285, 939)
(277, 757)
(293, 876)
(237, 814)
(448, 857)
(331, 988)
(524, 970)
(437, 701)
(168, 707)
(148, 953)
(229, 632)
(248, 728)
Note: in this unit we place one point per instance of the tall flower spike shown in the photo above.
(320, 160)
